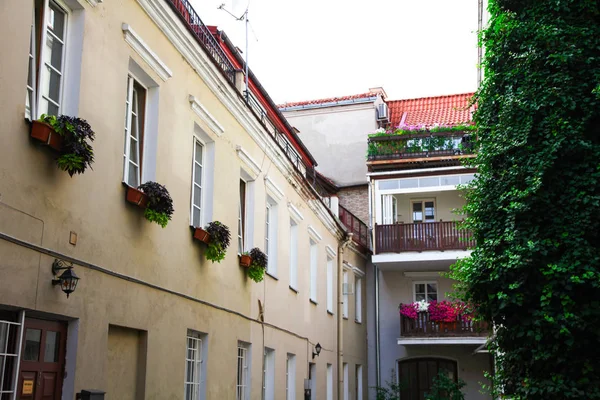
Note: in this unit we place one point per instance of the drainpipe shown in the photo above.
(340, 320)
(377, 346)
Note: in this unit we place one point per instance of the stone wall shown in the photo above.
(356, 200)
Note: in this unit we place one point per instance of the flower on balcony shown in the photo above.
(409, 310)
(422, 306)
(443, 311)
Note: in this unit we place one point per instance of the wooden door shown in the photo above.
(42, 360)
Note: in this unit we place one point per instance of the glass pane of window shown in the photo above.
(429, 211)
(420, 288)
(431, 288)
(417, 209)
(133, 150)
(52, 346)
(199, 153)
(198, 173)
(429, 182)
(32, 344)
(197, 195)
(419, 296)
(132, 179)
(386, 185)
(56, 21)
(450, 180)
(409, 183)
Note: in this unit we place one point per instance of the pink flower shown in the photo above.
(409, 310)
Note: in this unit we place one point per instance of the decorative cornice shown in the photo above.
(294, 212)
(357, 271)
(273, 189)
(330, 251)
(314, 234)
(248, 163)
(205, 116)
(146, 53)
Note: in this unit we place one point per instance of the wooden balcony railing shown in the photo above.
(356, 226)
(443, 235)
(423, 327)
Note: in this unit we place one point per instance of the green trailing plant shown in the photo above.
(257, 268)
(76, 154)
(220, 237)
(534, 207)
(391, 391)
(160, 204)
(446, 388)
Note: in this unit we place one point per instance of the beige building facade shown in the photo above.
(151, 318)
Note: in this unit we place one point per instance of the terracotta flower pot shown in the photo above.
(44, 133)
(137, 197)
(245, 260)
(201, 235)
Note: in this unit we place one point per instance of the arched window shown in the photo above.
(416, 375)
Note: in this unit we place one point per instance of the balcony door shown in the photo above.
(389, 206)
(416, 375)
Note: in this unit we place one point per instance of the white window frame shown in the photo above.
(243, 372)
(346, 378)
(131, 81)
(196, 340)
(17, 329)
(358, 299)
(271, 235)
(201, 185)
(330, 284)
(345, 296)
(313, 270)
(294, 254)
(242, 218)
(414, 287)
(329, 382)
(312, 373)
(36, 94)
(423, 201)
(290, 377)
(359, 382)
(268, 392)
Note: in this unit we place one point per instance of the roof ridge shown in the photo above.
(328, 99)
(433, 97)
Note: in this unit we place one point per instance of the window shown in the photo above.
(423, 210)
(346, 386)
(46, 59)
(271, 236)
(269, 374)
(290, 377)
(329, 382)
(135, 103)
(425, 291)
(313, 271)
(194, 368)
(9, 352)
(359, 383)
(312, 375)
(242, 217)
(330, 284)
(358, 299)
(293, 254)
(242, 389)
(416, 375)
(197, 183)
(345, 298)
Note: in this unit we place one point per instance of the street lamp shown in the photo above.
(68, 279)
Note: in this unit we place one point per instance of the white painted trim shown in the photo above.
(205, 116)
(137, 44)
(94, 3)
(273, 189)
(412, 256)
(358, 272)
(248, 163)
(412, 171)
(442, 341)
(314, 234)
(422, 274)
(330, 251)
(419, 190)
(295, 213)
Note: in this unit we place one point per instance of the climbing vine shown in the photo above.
(535, 205)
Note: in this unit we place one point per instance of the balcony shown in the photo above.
(418, 150)
(422, 236)
(424, 331)
(355, 226)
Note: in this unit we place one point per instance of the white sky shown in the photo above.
(310, 49)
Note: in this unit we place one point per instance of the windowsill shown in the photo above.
(314, 302)
(358, 322)
(330, 312)
(272, 276)
(293, 289)
(346, 318)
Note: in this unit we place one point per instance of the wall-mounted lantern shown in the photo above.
(316, 351)
(68, 280)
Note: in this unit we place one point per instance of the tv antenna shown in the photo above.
(243, 17)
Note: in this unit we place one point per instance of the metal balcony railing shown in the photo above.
(443, 235)
(356, 226)
(423, 327)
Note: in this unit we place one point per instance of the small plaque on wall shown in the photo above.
(27, 386)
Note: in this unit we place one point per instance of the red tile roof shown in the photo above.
(444, 110)
(329, 100)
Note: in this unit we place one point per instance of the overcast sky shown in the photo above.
(309, 49)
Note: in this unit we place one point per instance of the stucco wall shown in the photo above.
(40, 204)
(356, 200)
(396, 288)
(337, 137)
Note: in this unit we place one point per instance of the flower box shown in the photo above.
(201, 235)
(44, 133)
(137, 197)
(245, 260)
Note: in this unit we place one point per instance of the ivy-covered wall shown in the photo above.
(535, 207)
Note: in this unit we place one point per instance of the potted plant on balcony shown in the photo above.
(256, 272)
(445, 313)
(245, 259)
(155, 199)
(71, 137)
(220, 238)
